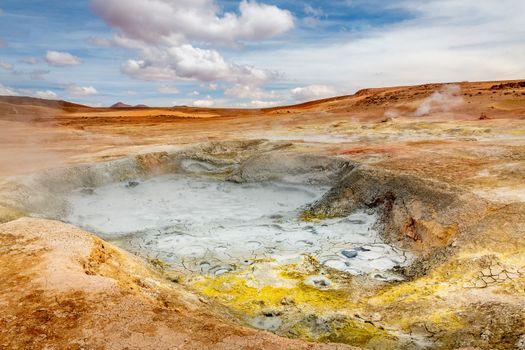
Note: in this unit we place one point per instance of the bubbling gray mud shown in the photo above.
(208, 226)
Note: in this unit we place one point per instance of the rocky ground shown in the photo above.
(442, 166)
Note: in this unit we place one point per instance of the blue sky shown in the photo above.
(247, 53)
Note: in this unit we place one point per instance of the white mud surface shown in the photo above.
(214, 227)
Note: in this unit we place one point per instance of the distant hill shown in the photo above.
(124, 105)
(24, 109)
(120, 105)
(32, 101)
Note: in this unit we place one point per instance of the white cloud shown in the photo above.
(168, 90)
(307, 93)
(144, 70)
(249, 91)
(48, 94)
(164, 33)
(261, 104)
(6, 65)
(97, 41)
(60, 59)
(7, 91)
(313, 92)
(203, 103)
(29, 60)
(79, 91)
(34, 74)
(313, 14)
(175, 22)
(118, 40)
(311, 21)
(189, 62)
(313, 11)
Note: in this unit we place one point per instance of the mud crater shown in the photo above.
(203, 225)
(269, 234)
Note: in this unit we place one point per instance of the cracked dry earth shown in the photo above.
(336, 223)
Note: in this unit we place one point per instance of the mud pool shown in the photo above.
(205, 226)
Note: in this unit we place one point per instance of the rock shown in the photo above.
(132, 184)
(362, 249)
(221, 270)
(485, 335)
(287, 301)
(380, 277)
(317, 282)
(520, 345)
(350, 254)
(271, 313)
(266, 323)
(224, 287)
(87, 191)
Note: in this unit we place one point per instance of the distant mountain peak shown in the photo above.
(120, 105)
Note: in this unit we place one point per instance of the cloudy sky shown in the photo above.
(250, 53)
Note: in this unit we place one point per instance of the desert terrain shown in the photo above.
(438, 169)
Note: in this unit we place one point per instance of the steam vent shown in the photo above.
(262, 175)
